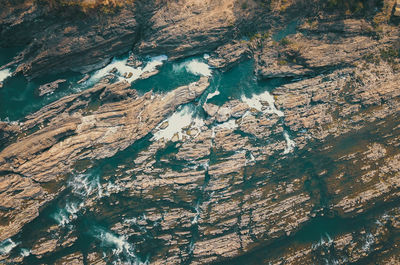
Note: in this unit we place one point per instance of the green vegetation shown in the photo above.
(349, 6)
(371, 58)
(391, 55)
(344, 6)
(106, 6)
(85, 6)
(275, 5)
(385, 13)
(255, 36)
(285, 42)
(282, 62)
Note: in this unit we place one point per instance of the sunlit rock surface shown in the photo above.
(276, 148)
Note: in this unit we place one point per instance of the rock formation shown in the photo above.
(306, 172)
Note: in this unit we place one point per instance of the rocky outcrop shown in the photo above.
(82, 45)
(230, 54)
(234, 108)
(343, 43)
(187, 28)
(249, 195)
(397, 9)
(68, 130)
(75, 44)
(227, 209)
(58, 42)
(50, 87)
(307, 173)
(8, 133)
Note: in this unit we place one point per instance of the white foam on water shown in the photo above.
(330, 241)
(143, 217)
(176, 123)
(73, 208)
(253, 102)
(213, 94)
(61, 217)
(4, 74)
(197, 216)
(154, 63)
(132, 220)
(197, 124)
(120, 243)
(195, 67)
(140, 222)
(7, 119)
(198, 68)
(290, 144)
(385, 216)
(323, 242)
(119, 64)
(256, 102)
(84, 185)
(123, 70)
(213, 132)
(369, 241)
(332, 261)
(6, 246)
(25, 252)
(191, 246)
(230, 125)
(320, 243)
(205, 165)
(99, 190)
(112, 188)
(69, 213)
(121, 248)
(252, 158)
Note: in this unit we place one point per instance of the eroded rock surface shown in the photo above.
(249, 182)
(68, 129)
(57, 41)
(50, 87)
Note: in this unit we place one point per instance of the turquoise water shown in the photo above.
(7, 54)
(19, 97)
(92, 224)
(169, 78)
(291, 28)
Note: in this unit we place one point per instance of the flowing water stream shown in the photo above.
(93, 201)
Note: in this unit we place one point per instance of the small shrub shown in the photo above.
(285, 42)
(266, 35)
(104, 6)
(282, 62)
(349, 7)
(389, 54)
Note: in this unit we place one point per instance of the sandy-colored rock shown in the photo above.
(50, 153)
(50, 87)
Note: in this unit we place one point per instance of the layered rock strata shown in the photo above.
(107, 117)
(248, 185)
